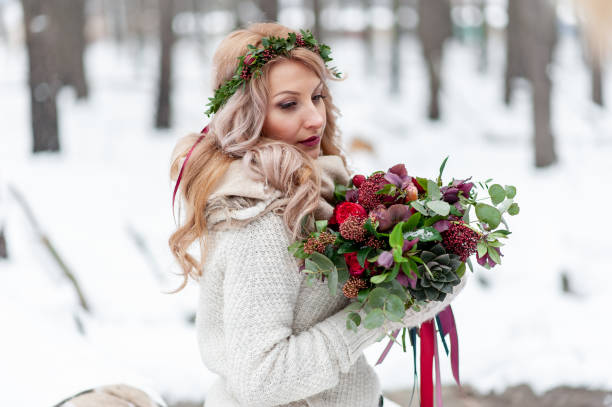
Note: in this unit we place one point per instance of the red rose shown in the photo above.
(346, 209)
(358, 180)
(353, 265)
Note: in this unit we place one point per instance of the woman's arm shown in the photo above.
(267, 363)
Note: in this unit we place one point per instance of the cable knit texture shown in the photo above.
(272, 339)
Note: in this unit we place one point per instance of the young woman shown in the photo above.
(264, 168)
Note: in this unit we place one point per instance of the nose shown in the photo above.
(314, 117)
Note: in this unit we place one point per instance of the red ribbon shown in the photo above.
(180, 176)
(427, 334)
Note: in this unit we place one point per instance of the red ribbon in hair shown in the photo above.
(180, 176)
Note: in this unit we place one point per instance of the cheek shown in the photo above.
(280, 127)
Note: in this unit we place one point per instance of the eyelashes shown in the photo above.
(290, 105)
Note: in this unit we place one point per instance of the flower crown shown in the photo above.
(250, 65)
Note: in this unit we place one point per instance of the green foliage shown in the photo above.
(321, 225)
(442, 208)
(488, 214)
(497, 193)
(514, 209)
(374, 319)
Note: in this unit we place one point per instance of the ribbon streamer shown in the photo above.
(447, 321)
(427, 335)
(180, 176)
(383, 355)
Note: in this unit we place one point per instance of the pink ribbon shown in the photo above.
(388, 347)
(180, 176)
(447, 320)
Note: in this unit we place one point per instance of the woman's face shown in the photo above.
(295, 113)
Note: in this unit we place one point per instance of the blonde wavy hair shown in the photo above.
(235, 134)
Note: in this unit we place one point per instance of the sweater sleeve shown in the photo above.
(267, 363)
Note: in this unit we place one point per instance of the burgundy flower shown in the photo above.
(398, 176)
(450, 193)
(406, 281)
(387, 218)
(353, 265)
(460, 239)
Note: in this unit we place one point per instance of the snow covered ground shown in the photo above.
(111, 182)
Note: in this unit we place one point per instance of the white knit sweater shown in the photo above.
(272, 339)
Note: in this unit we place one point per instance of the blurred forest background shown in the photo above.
(94, 93)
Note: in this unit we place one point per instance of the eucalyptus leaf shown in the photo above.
(377, 296)
(322, 261)
(332, 281)
(355, 317)
(510, 191)
(488, 214)
(353, 306)
(419, 207)
(433, 190)
(394, 308)
(374, 319)
(514, 209)
(497, 193)
(440, 207)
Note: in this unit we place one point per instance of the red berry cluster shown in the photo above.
(245, 74)
(268, 54)
(367, 191)
(299, 41)
(460, 239)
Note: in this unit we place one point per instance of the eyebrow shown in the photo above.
(293, 92)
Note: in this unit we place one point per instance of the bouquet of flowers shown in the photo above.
(395, 241)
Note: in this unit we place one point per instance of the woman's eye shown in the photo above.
(318, 97)
(287, 105)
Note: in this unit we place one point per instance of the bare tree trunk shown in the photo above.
(368, 37)
(597, 82)
(166, 13)
(544, 142)
(395, 51)
(316, 28)
(270, 9)
(42, 76)
(69, 47)
(514, 50)
(483, 56)
(434, 28)
(3, 251)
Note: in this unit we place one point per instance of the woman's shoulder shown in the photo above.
(239, 198)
